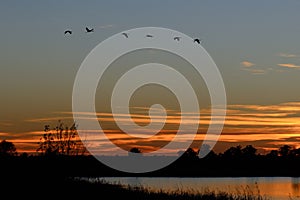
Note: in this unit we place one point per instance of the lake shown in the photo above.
(276, 188)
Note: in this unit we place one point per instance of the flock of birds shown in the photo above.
(86, 29)
(89, 30)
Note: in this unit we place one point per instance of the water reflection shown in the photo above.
(295, 183)
(277, 188)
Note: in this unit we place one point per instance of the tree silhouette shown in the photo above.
(284, 151)
(273, 154)
(135, 150)
(233, 152)
(205, 150)
(62, 140)
(249, 152)
(190, 154)
(7, 148)
(295, 152)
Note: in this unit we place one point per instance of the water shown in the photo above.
(275, 188)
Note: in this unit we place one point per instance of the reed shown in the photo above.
(119, 191)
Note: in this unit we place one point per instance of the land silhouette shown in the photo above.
(60, 156)
(61, 147)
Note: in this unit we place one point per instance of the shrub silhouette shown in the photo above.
(7, 148)
(62, 140)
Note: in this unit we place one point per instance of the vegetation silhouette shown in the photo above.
(61, 140)
(235, 161)
(135, 150)
(58, 159)
(7, 148)
(61, 153)
(119, 191)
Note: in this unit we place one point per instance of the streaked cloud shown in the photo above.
(251, 67)
(286, 55)
(242, 118)
(289, 65)
(247, 64)
(265, 125)
(5, 123)
(49, 119)
(4, 134)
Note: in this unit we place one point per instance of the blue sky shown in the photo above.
(255, 44)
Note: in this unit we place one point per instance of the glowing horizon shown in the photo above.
(268, 126)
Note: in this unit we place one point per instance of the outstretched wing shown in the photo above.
(68, 32)
(197, 40)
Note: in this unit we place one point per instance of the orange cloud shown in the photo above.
(289, 65)
(244, 123)
(248, 67)
(3, 134)
(49, 119)
(247, 64)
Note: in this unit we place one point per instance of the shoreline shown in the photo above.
(88, 166)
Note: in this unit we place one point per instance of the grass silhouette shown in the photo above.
(119, 191)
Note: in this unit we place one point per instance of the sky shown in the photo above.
(255, 45)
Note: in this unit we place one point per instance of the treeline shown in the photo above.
(61, 143)
(63, 140)
(60, 152)
(247, 152)
(235, 161)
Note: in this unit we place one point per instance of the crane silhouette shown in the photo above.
(177, 38)
(68, 32)
(89, 30)
(125, 34)
(197, 40)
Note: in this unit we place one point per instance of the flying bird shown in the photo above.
(125, 34)
(68, 32)
(177, 38)
(150, 36)
(89, 30)
(197, 40)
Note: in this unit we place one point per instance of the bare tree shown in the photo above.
(62, 140)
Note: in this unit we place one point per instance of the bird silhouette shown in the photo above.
(150, 36)
(125, 34)
(89, 30)
(177, 38)
(68, 32)
(197, 40)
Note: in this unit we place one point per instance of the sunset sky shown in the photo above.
(255, 44)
